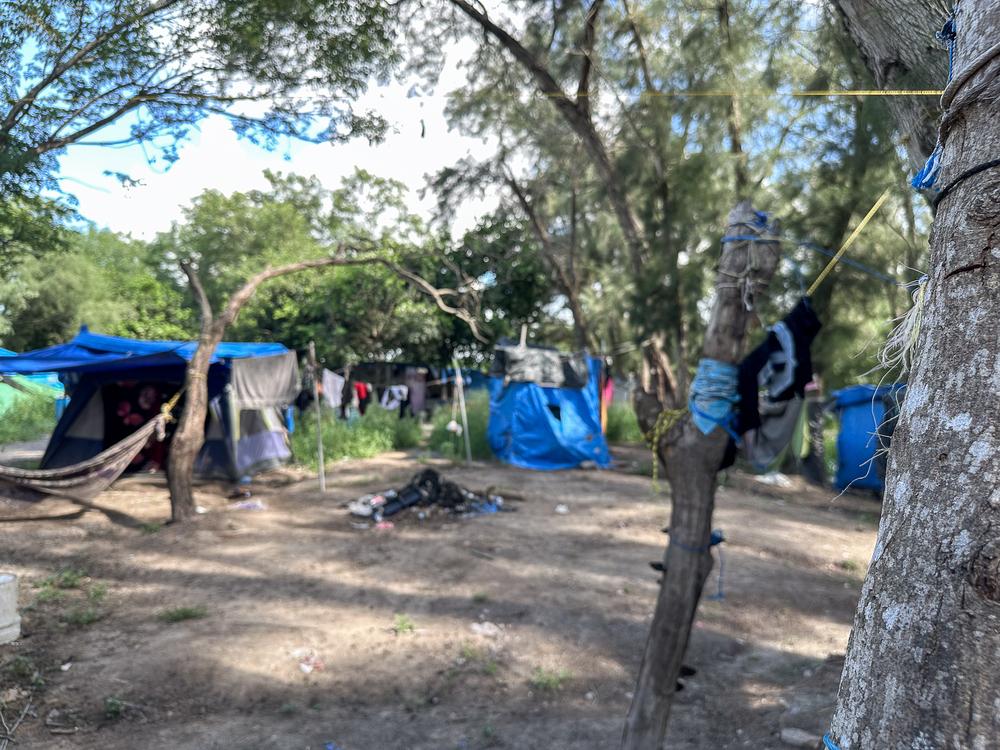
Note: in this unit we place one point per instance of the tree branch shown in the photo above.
(589, 36)
(61, 67)
(199, 294)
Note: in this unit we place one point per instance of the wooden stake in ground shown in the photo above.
(460, 382)
(314, 369)
(692, 461)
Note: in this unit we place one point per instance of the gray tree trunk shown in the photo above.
(692, 462)
(896, 40)
(922, 663)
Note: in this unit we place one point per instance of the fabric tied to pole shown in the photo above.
(713, 394)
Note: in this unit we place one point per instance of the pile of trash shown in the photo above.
(426, 490)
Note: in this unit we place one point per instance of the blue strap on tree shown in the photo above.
(926, 177)
(713, 394)
(828, 743)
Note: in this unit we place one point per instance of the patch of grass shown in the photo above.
(450, 445)
(114, 708)
(21, 669)
(150, 528)
(82, 616)
(29, 417)
(180, 614)
(70, 578)
(97, 592)
(470, 652)
(549, 681)
(403, 624)
(49, 594)
(288, 709)
(491, 668)
(851, 566)
(480, 598)
(378, 431)
(623, 427)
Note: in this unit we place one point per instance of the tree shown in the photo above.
(128, 71)
(921, 663)
(190, 434)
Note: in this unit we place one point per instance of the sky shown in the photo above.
(214, 157)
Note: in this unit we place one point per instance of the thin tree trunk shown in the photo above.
(692, 462)
(921, 668)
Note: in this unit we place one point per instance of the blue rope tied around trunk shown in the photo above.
(830, 744)
(926, 177)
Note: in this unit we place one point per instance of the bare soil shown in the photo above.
(313, 631)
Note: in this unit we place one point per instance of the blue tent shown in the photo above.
(539, 427)
(863, 433)
(247, 386)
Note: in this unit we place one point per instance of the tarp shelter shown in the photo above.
(545, 409)
(248, 384)
(864, 431)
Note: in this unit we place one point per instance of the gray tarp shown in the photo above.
(262, 382)
(546, 367)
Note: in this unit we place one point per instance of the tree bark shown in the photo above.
(896, 40)
(692, 462)
(921, 668)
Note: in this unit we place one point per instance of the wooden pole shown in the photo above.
(319, 416)
(460, 382)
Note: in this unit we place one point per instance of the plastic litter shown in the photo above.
(486, 629)
(309, 660)
(774, 479)
(427, 490)
(562, 510)
(249, 505)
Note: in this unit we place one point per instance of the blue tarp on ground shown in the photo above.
(547, 428)
(861, 410)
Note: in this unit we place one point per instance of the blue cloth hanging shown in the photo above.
(713, 394)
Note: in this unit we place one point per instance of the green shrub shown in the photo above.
(622, 425)
(376, 432)
(29, 417)
(180, 614)
(449, 444)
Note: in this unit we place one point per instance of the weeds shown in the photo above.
(452, 445)
(403, 624)
(150, 528)
(82, 616)
(180, 614)
(114, 708)
(547, 680)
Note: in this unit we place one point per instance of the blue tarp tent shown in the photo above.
(543, 427)
(247, 386)
(862, 413)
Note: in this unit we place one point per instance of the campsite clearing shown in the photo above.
(291, 628)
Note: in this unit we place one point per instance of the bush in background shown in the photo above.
(623, 427)
(450, 445)
(376, 432)
(28, 418)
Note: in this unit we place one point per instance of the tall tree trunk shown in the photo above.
(921, 668)
(692, 462)
(896, 40)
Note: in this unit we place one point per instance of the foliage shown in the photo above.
(376, 432)
(452, 445)
(138, 71)
(402, 623)
(622, 425)
(27, 418)
(548, 680)
(180, 614)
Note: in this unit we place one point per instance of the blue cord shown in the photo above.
(830, 744)
(926, 177)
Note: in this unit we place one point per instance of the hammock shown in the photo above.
(89, 478)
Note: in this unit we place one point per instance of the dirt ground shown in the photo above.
(517, 630)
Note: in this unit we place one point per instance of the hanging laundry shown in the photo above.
(333, 389)
(363, 395)
(766, 444)
(781, 365)
(393, 397)
(416, 383)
